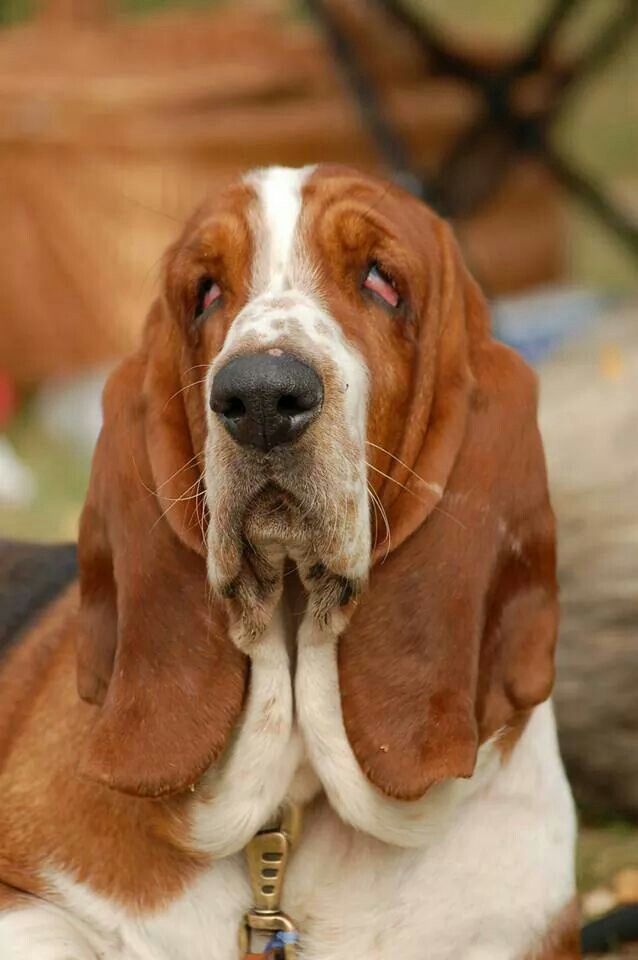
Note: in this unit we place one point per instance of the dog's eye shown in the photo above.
(208, 294)
(381, 285)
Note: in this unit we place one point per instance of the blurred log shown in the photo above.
(109, 136)
(589, 418)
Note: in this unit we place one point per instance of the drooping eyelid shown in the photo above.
(385, 266)
(203, 286)
(386, 272)
(201, 312)
(209, 300)
(386, 250)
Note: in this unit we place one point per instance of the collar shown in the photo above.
(267, 856)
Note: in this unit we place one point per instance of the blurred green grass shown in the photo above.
(62, 476)
(604, 850)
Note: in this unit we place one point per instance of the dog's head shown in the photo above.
(316, 380)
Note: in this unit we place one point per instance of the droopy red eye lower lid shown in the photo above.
(381, 285)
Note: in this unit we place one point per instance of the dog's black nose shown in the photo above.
(266, 399)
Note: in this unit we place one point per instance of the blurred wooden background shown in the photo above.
(112, 129)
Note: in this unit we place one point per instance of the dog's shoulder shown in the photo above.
(31, 576)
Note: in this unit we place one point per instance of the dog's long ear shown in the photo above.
(455, 636)
(153, 650)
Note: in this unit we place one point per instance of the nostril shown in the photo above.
(234, 408)
(292, 404)
(289, 405)
(231, 407)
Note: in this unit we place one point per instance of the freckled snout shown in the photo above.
(265, 400)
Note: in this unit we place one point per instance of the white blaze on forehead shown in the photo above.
(277, 265)
(284, 291)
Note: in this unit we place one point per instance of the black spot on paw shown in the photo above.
(229, 590)
(347, 591)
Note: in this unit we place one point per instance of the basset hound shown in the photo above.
(316, 573)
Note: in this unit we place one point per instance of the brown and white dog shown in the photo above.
(316, 563)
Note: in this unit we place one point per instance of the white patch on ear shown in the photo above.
(512, 542)
(242, 791)
(357, 801)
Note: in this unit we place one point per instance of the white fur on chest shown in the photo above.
(486, 883)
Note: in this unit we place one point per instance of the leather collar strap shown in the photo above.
(267, 856)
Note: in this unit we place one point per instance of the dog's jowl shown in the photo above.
(297, 699)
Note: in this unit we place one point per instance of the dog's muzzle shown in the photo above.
(265, 400)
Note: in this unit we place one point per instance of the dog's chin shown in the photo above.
(275, 522)
(274, 527)
(302, 505)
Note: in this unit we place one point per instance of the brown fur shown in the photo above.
(469, 647)
(142, 538)
(177, 682)
(127, 848)
(562, 942)
(452, 642)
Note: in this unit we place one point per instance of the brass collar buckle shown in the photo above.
(267, 855)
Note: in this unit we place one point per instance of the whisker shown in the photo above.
(181, 499)
(195, 383)
(413, 494)
(172, 477)
(398, 482)
(374, 513)
(197, 366)
(201, 497)
(398, 460)
(376, 499)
